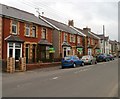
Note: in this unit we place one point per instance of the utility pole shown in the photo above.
(104, 38)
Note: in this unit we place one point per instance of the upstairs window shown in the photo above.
(44, 33)
(78, 40)
(74, 39)
(27, 30)
(71, 38)
(88, 41)
(65, 37)
(33, 31)
(14, 27)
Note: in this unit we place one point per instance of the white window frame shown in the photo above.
(34, 34)
(15, 25)
(71, 38)
(27, 27)
(8, 48)
(44, 34)
(78, 40)
(65, 37)
(88, 41)
(74, 39)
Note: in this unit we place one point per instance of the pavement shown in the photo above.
(100, 80)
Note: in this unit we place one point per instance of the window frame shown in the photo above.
(27, 26)
(44, 32)
(34, 28)
(15, 24)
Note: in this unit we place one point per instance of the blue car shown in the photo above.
(103, 58)
(71, 61)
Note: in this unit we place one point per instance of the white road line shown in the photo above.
(55, 78)
(82, 70)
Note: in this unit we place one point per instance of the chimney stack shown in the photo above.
(70, 23)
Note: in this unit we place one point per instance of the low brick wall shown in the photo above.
(41, 65)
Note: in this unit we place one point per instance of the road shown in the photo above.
(100, 80)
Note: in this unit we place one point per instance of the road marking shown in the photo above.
(82, 70)
(55, 78)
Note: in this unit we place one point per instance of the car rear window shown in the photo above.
(84, 57)
(67, 58)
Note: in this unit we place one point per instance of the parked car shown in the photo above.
(71, 61)
(102, 58)
(89, 59)
(111, 57)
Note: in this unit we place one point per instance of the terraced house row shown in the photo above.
(41, 39)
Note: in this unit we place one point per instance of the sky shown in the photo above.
(85, 13)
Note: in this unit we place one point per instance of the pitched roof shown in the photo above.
(14, 38)
(90, 34)
(44, 42)
(102, 36)
(21, 15)
(61, 26)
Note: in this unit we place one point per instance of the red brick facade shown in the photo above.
(7, 28)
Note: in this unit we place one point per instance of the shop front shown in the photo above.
(45, 51)
(79, 50)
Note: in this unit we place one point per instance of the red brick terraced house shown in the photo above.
(66, 40)
(22, 34)
(91, 44)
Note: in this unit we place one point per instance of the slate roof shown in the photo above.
(61, 26)
(21, 15)
(14, 38)
(44, 42)
(88, 34)
(102, 37)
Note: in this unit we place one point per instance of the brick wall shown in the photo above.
(0, 38)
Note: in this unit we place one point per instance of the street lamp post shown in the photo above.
(104, 38)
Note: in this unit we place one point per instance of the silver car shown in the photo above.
(89, 59)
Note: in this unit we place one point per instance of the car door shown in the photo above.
(76, 60)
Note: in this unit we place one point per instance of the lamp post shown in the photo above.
(104, 38)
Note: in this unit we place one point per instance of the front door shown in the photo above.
(27, 53)
(33, 53)
(64, 52)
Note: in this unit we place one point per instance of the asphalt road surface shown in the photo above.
(100, 80)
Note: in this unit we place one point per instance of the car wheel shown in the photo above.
(95, 62)
(91, 63)
(62, 67)
(74, 65)
(83, 64)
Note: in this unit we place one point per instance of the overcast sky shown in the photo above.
(91, 13)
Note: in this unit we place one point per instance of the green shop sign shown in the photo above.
(79, 49)
(98, 50)
(51, 50)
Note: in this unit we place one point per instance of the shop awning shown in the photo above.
(44, 42)
(79, 49)
(14, 38)
(98, 50)
(51, 50)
